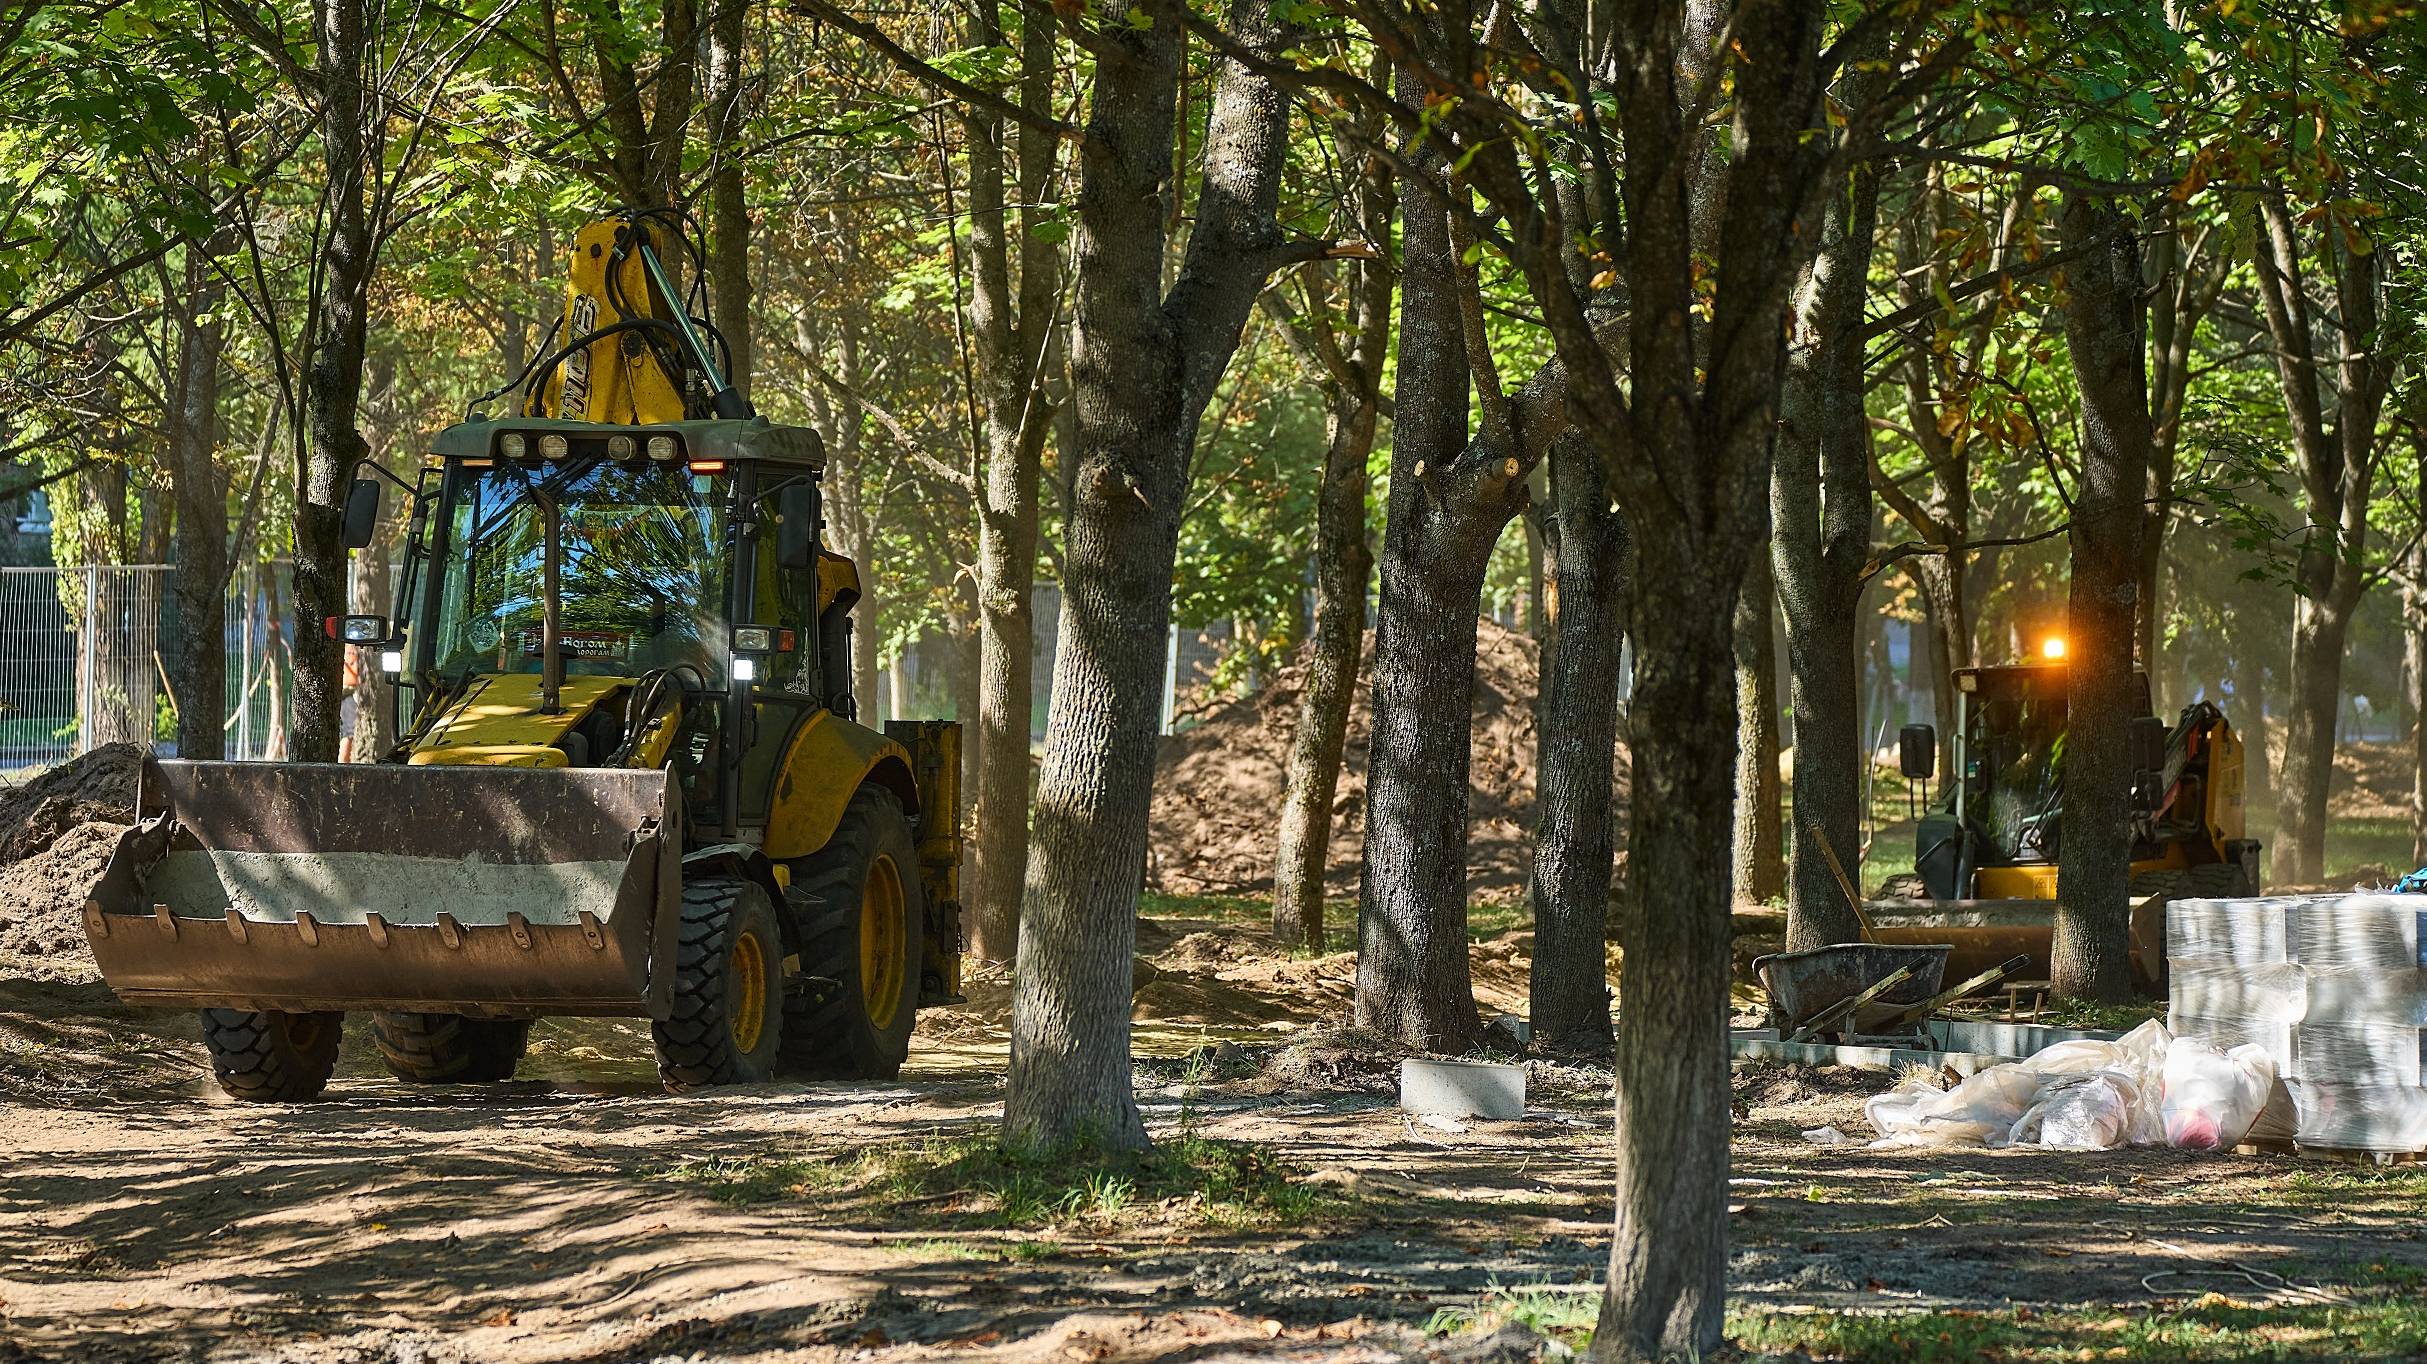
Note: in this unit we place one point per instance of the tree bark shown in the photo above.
(728, 186)
(2105, 330)
(198, 663)
(1759, 861)
(2337, 467)
(333, 385)
(1011, 317)
(1413, 978)
(1143, 366)
(1344, 561)
(1820, 512)
(1585, 596)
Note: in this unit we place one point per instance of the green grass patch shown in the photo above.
(968, 1183)
(983, 1252)
(2212, 1328)
(1559, 1312)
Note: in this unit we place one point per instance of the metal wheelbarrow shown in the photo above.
(1854, 987)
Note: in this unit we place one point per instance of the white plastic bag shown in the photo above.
(2081, 1095)
(2210, 1098)
(2080, 1112)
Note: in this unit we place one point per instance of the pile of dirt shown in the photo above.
(2371, 781)
(56, 833)
(1218, 783)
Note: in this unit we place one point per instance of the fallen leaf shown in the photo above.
(503, 1316)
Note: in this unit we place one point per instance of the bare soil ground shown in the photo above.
(578, 1215)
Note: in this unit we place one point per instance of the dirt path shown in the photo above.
(581, 1215)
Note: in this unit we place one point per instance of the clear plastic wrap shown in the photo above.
(2395, 998)
(2364, 1054)
(2359, 932)
(2227, 933)
(2269, 994)
(2224, 1034)
(2361, 1117)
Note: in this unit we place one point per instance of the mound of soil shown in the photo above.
(1218, 783)
(56, 832)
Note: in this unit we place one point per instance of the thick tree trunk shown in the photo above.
(1820, 513)
(1448, 503)
(1585, 593)
(1759, 861)
(2321, 629)
(1143, 367)
(374, 731)
(333, 385)
(2105, 318)
(198, 660)
(2414, 685)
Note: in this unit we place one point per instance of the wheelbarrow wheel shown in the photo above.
(267, 1057)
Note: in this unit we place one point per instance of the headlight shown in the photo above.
(756, 639)
(663, 447)
(391, 662)
(745, 670)
(553, 446)
(510, 445)
(619, 447)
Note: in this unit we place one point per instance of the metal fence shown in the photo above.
(84, 660)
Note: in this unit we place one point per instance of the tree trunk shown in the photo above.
(333, 384)
(2337, 468)
(1143, 367)
(198, 663)
(1448, 503)
(1820, 513)
(2414, 684)
(1758, 864)
(1585, 596)
(2105, 317)
(728, 187)
(1344, 560)
(1013, 335)
(1344, 564)
(374, 593)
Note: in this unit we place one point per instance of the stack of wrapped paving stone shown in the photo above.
(2334, 987)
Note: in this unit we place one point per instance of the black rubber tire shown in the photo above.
(270, 1057)
(714, 1037)
(829, 1030)
(2208, 881)
(1908, 886)
(449, 1049)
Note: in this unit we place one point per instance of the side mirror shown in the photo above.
(2148, 741)
(796, 513)
(1917, 752)
(362, 513)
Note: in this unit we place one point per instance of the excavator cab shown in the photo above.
(630, 778)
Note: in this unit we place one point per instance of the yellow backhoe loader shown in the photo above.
(631, 781)
(1984, 860)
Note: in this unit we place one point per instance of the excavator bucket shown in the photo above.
(491, 891)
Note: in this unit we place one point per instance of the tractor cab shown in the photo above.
(586, 596)
(1995, 831)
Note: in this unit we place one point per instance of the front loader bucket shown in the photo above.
(499, 891)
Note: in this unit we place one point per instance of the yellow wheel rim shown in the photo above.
(749, 992)
(884, 961)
